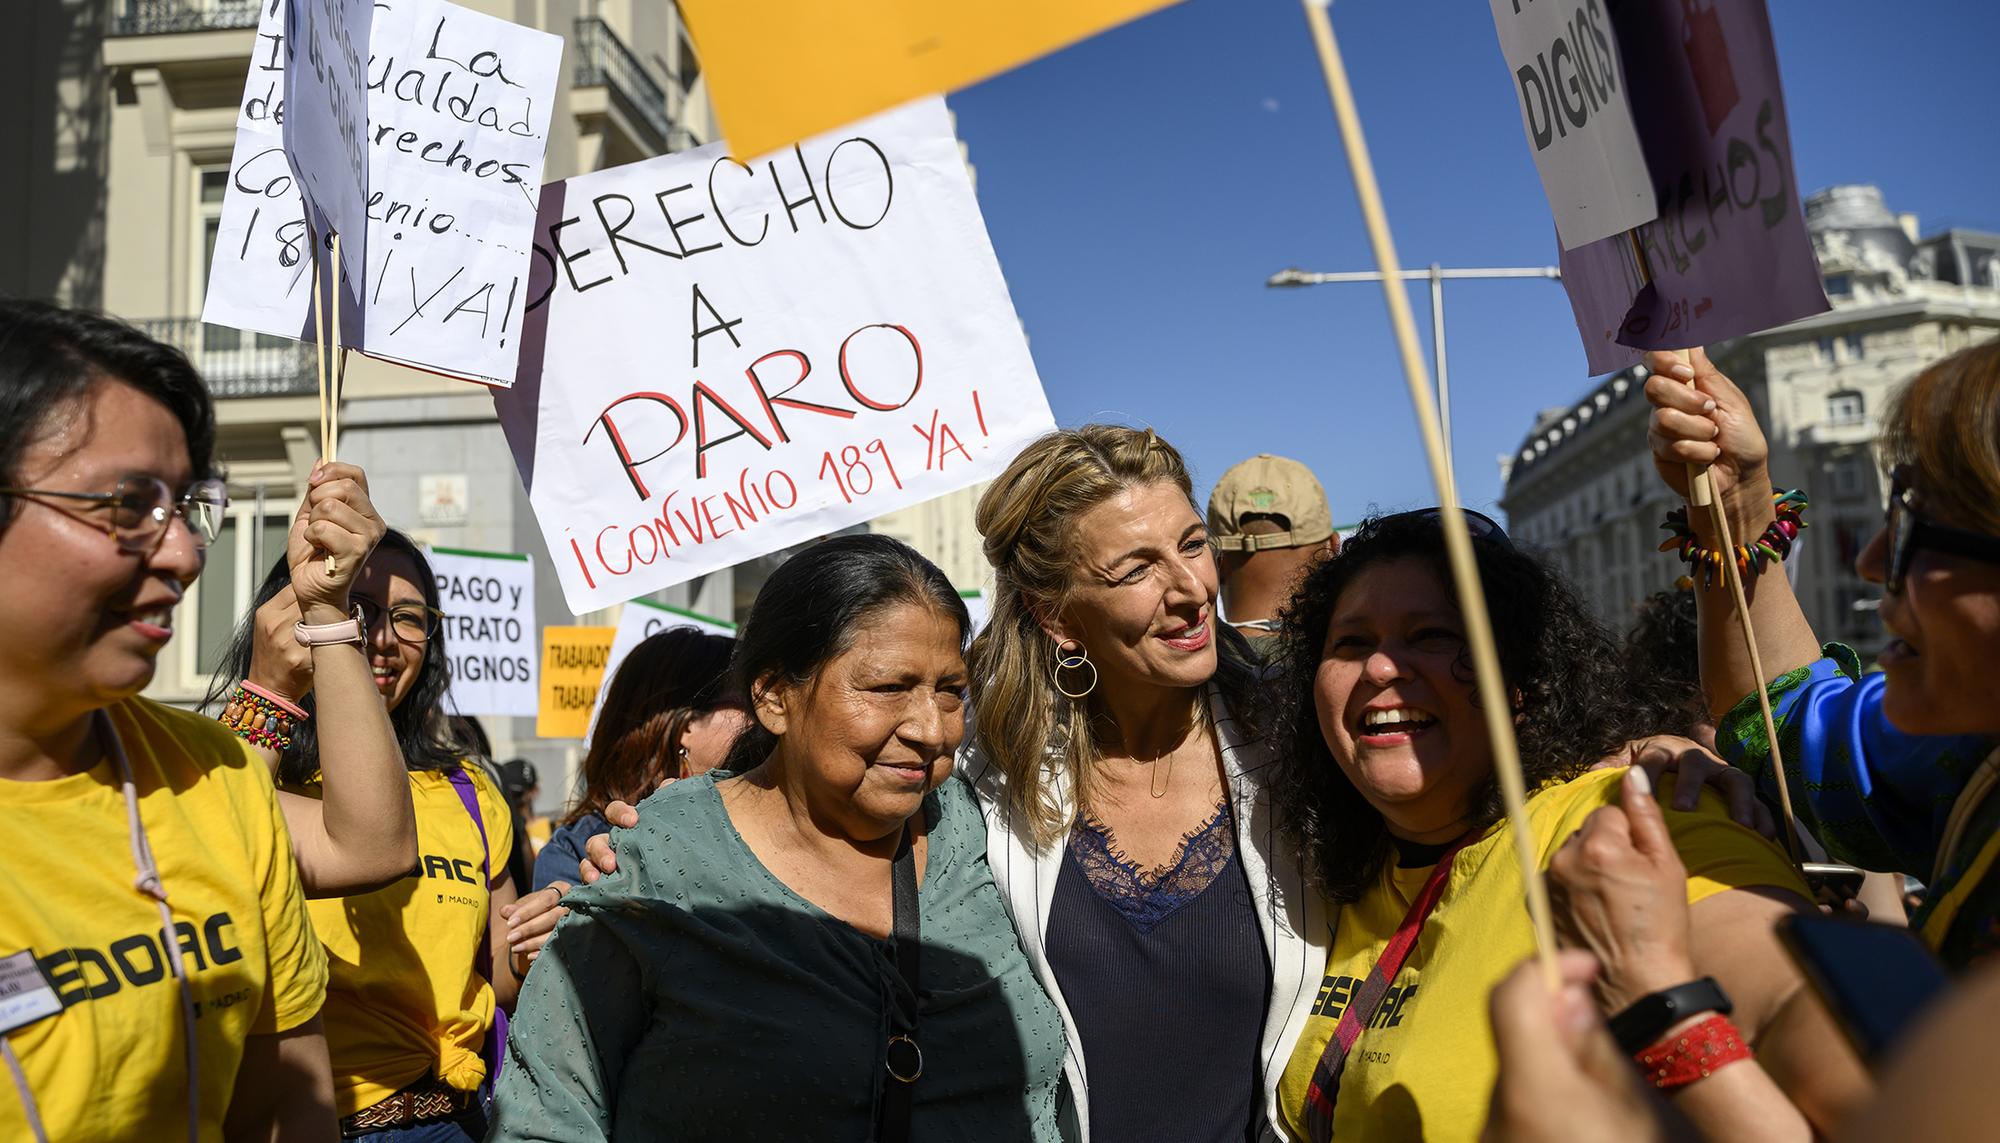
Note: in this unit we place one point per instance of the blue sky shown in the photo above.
(1142, 185)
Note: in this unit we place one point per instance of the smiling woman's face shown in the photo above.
(389, 582)
(1942, 627)
(874, 730)
(1394, 705)
(85, 621)
(1142, 598)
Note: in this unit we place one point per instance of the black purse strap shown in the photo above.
(903, 1060)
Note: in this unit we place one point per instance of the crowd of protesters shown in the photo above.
(1199, 838)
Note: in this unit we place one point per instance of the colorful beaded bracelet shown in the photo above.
(260, 717)
(1751, 558)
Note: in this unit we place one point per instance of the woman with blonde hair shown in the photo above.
(1121, 764)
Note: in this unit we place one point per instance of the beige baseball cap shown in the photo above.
(1267, 485)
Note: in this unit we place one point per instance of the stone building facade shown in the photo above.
(1582, 486)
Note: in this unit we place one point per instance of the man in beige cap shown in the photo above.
(1268, 516)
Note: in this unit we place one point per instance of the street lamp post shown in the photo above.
(1436, 275)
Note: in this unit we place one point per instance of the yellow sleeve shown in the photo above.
(297, 960)
(1718, 853)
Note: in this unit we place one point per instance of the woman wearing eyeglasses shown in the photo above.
(159, 975)
(1385, 781)
(420, 970)
(1896, 770)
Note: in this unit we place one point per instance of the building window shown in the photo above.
(1839, 285)
(1847, 478)
(1846, 407)
(1852, 343)
(222, 596)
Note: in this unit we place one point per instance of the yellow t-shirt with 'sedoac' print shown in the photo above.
(405, 1000)
(1425, 1066)
(112, 1064)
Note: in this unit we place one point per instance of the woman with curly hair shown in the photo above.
(1385, 779)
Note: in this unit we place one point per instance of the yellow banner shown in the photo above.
(573, 661)
(783, 70)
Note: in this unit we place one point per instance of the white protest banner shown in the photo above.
(739, 357)
(458, 119)
(1563, 55)
(488, 600)
(642, 620)
(326, 91)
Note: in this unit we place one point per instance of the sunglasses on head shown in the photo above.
(1910, 530)
(1482, 526)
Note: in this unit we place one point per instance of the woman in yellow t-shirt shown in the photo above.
(159, 979)
(1387, 782)
(417, 988)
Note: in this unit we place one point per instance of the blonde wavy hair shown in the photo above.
(1028, 520)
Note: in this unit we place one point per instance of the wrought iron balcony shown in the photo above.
(603, 60)
(159, 17)
(238, 364)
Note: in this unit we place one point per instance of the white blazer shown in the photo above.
(1291, 916)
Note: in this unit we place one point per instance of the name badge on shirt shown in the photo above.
(25, 994)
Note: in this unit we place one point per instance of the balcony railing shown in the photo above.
(238, 364)
(603, 60)
(158, 17)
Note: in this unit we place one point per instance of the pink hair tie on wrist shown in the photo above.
(277, 700)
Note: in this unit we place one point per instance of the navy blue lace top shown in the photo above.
(1167, 978)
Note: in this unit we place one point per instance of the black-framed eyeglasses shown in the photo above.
(1909, 530)
(408, 622)
(1482, 526)
(139, 508)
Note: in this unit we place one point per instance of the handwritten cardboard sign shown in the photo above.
(1729, 254)
(488, 600)
(457, 127)
(780, 72)
(1563, 55)
(642, 620)
(573, 661)
(326, 87)
(734, 358)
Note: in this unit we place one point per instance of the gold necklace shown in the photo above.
(1161, 792)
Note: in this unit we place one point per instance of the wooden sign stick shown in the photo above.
(1457, 537)
(1701, 494)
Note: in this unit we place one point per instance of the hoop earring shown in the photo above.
(1075, 662)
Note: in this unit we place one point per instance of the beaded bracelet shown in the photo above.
(1694, 1055)
(1751, 558)
(260, 717)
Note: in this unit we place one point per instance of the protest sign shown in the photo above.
(1729, 254)
(326, 90)
(458, 120)
(488, 600)
(1563, 55)
(778, 73)
(732, 358)
(643, 619)
(573, 661)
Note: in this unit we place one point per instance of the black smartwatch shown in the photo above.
(1649, 1017)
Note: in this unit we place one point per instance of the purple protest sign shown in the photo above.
(1729, 254)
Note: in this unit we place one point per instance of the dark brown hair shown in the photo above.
(666, 681)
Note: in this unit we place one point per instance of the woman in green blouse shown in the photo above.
(745, 974)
